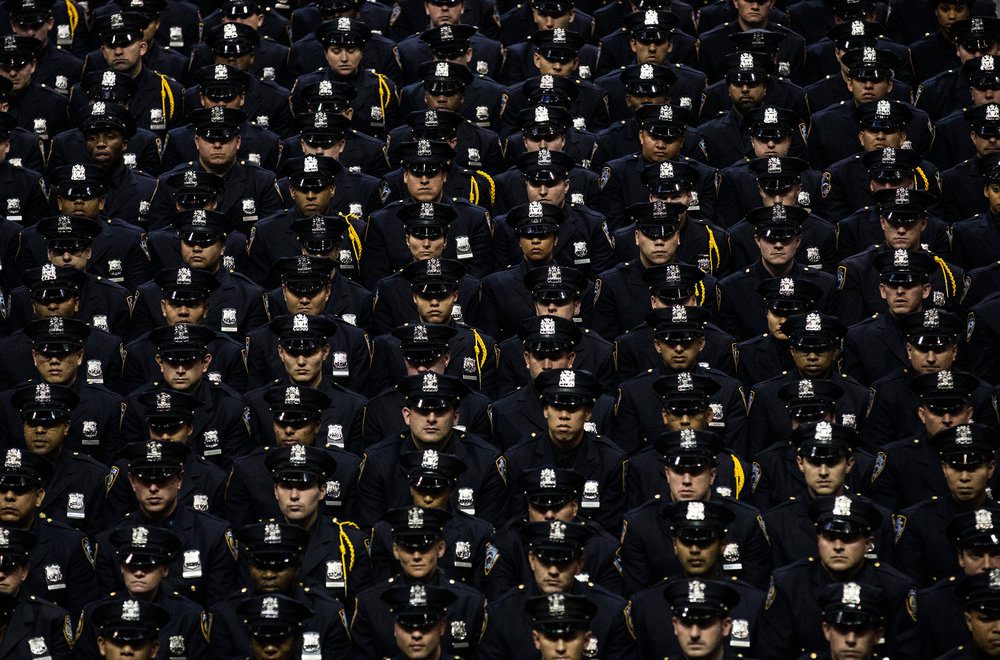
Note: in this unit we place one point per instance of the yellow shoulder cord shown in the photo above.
(352, 233)
(949, 277)
(713, 248)
(473, 190)
(384, 93)
(480, 347)
(493, 185)
(739, 477)
(346, 547)
(923, 177)
(74, 17)
(699, 290)
(166, 97)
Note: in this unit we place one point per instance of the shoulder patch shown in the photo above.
(627, 612)
(492, 554)
(763, 528)
(772, 591)
(603, 179)
(754, 476)
(970, 326)
(825, 185)
(206, 625)
(911, 603)
(879, 465)
(110, 478)
(899, 524)
(68, 633)
(841, 276)
(89, 551)
(231, 542)
(502, 468)
(598, 283)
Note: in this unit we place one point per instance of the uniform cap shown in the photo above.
(199, 224)
(809, 399)
(695, 520)
(747, 67)
(311, 172)
(415, 527)
(550, 487)
(560, 614)
(685, 393)
(669, 177)
(549, 334)
(785, 296)
(981, 592)
(273, 615)
(558, 45)
(301, 332)
(449, 41)
(975, 529)
(663, 120)
(651, 25)
(120, 28)
(185, 285)
(814, 330)
(824, 440)
(168, 406)
(108, 85)
(432, 276)
(853, 604)
(444, 77)
(904, 266)
(701, 600)
(674, 282)
(678, 323)
(432, 391)
(155, 459)
(550, 90)
(306, 274)
(80, 181)
(769, 122)
(417, 606)
(567, 387)
(648, 80)
(217, 123)
(57, 334)
(870, 63)
(890, 164)
(845, 514)
(931, 327)
(556, 541)
(424, 342)
(44, 402)
(431, 469)
(343, 31)
(295, 404)
(300, 464)
(535, 218)
(967, 444)
(141, 546)
(886, 115)
(274, 544)
(128, 621)
(554, 283)
(545, 166)
(50, 282)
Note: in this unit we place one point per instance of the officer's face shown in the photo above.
(437, 366)
(968, 482)
(537, 363)
(217, 152)
(561, 647)
(554, 578)
(233, 102)
(305, 302)
(430, 427)
(547, 67)
(543, 22)
(978, 559)
(77, 259)
(851, 642)
(156, 498)
(985, 144)
(304, 369)
(142, 581)
(746, 96)
(778, 253)
(636, 102)
(983, 96)
(56, 367)
(419, 644)
(554, 194)
(774, 325)
(344, 60)
(206, 257)
(788, 197)
(425, 248)
(65, 309)
(294, 434)
(125, 59)
(113, 650)
(985, 629)
(872, 140)
(931, 360)
(566, 424)
(865, 91)
(176, 433)
(702, 639)
(436, 309)
(537, 249)
(689, 484)
(657, 150)
(650, 52)
(241, 62)
(566, 513)
(904, 298)
(12, 576)
(903, 236)
(825, 476)
(935, 422)
(190, 313)
(425, 187)
(698, 558)
(444, 14)
(45, 439)
(421, 562)
(677, 355)
(657, 251)
(555, 142)
(273, 649)
(18, 506)
(947, 13)
(677, 421)
(840, 552)
(567, 309)
(81, 208)
(39, 31)
(183, 376)
(684, 197)
(19, 76)
(333, 151)
(992, 193)
(430, 499)
(766, 148)
(270, 580)
(298, 502)
(106, 147)
(452, 102)
(312, 201)
(813, 363)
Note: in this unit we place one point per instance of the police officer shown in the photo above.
(970, 239)
(551, 494)
(824, 454)
(205, 569)
(61, 564)
(200, 241)
(25, 201)
(792, 617)
(274, 553)
(558, 45)
(560, 625)
(420, 618)
(55, 67)
(555, 552)
(978, 595)
(130, 627)
(853, 619)
(274, 624)
(588, 102)
(217, 139)
(951, 134)
(756, 28)
(418, 544)
(145, 554)
(165, 51)
(962, 186)
(779, 185)
(767, 355)
(948, 91)
(550, 126)
(434, 284)
(476, 148)
(424, 350)
(511, 188)
(294, 415)
(37, 107)
(56, 293)
(336, 556)
(26, 147)
(430, 413)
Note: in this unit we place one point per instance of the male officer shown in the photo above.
(555, 552)
(418, 544)
(533, 167)
(560, 625)
(587, 103)
(336, 557)
(777, 238)
(250, 191)
(967, 459)
(952, 143)
(431, 412)
(757, 24)
(56, 66)
(274, 624)
(792, 617)
(962, 184)
(130, 628)
(35, 106)
(551, 494)
(476, 148)
(25, 199)
(296, 413)
(144, 555)
(552, 48)
(73, 492)
(948, 91)
(205, 570)
(199, 241)
(274, 553)
(779, 181)
(824, 454)
(419, 617)
(979, 596)
(853, 620)
(971, 238)
(61, 565)
(444, 39)
(550, 126)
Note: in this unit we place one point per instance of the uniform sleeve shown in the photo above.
(493, 644)
(776, 625)
(375, 259)
(621, 644)
(237, 498)
(911, 546)
(901, 633)
(634, 562)
(371, 501)
(81, 578)
(628, 428)
(222, 578)
(491, 496)
(362, 635)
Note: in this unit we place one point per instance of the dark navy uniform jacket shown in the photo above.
(336, 559)
(636, 353)
(725, 140)
(204, 570)
(74, 495)
(477, 148)
(646, 479)
(716, 45)
(348, 300)
(621, 299)
(907, 472)
(102, 360)
(266, 105)
(821, 57)
(593, 354)
(25, 150)
(647, 545)
(589, 110)
(519, 64)
(144, 148)
(164, 247)
(481, 488)
(384, 417)
(228, 363)
(157, 104)
(56, 68)
(834, 133)
(23, 199)
(37, 619)
(862, 229)
(258, 145)
(520, 413)
(202, 488)
(738, 193)
(61, 565)
(947, 629)
(943, 94)
(962, 192)
(833, 89)
(308, 55)
(874, 348)
(818, 248)
(703, 244)
(40, 110)
(775, 478)
(487, 56)
(975, 242)
(103, 305)
(362, 153)
(760, 358)
(584, 242)
(689, 85)
(393, 304)
(376, 107)
(271, 59)
(511, 190)
(484, 105)
(791, 622)
(952, 144)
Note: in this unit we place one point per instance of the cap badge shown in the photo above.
(746, 61)
(184, 276)
(557, 530)
(553, 275)
(963, 435)
(229, 31)
(430, 459)
(684, 382)
(4, 538)
(343, 24)
(851, 594)
(43, 394)
(984, 520)
(900, 258)
(140, 536)
(108, 79)
(857, 28)
(666, 113)
(696, 591)
(778, 210)
(269, 608)
(297, 455)
(889, 156)
(434, 267)
(678, 314)
(418, 595)
(13, 459)
(130, 610)
(672, 274)
(293, 397)
(774, 165)
(646, 72)
(902, 196)
(300, 323)
(567, 379)
(419, 333)
(415, 518)
(666, 170)
(995, 579)
(883, 109)
(154, 452)
(48, 272)
(786, 287)
(823, 432)
(806, 390)
(325, 88)
(814, 323)
(429, 383)
(546, 82)
(547, 328)
(99, 108)
(445, 33)
(868, 56)
(544, 157)
(541, 114)
(272, 533)
(78, 173)
(310, 165)
(559, 36)
(55, 325)
(695, 511)
(181, 333)
(547, 478)
(842, 506)
(441, 70)
(117, 21)
(688, 439)
(535, 210)
(557, 604)
(993, 112)
(423, 148)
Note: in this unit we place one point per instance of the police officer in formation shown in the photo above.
(468, 328)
